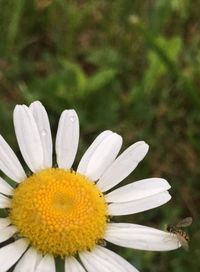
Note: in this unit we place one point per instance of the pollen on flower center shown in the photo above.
(59, 211)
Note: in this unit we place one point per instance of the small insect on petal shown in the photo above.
(181, 235)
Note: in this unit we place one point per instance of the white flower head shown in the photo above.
(58, 211)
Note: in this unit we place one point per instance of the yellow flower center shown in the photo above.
(59, 211)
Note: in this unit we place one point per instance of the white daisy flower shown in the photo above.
(59, 212)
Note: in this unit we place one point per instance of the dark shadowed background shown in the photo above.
(129, 66)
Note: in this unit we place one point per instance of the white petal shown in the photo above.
(103, 156)
(11, 253)
(47, 264)
(72, 265)
(9, 163)
(138, 190)
(42, 122)
(4, 202)
(104, 260)
(29, 261)
(28, 137)
(5, 188)
(123, 165)
(7, 232)
(67, 139)
(4, 222)
(139, 205)
(140, 237)
(90, 151)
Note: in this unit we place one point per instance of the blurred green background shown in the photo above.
(129, 66)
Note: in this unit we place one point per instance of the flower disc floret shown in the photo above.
(61, 212)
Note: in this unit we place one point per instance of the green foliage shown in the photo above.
(157, 66)
(129, 66)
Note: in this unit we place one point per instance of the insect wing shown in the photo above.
(183, 241)
(184, 223)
